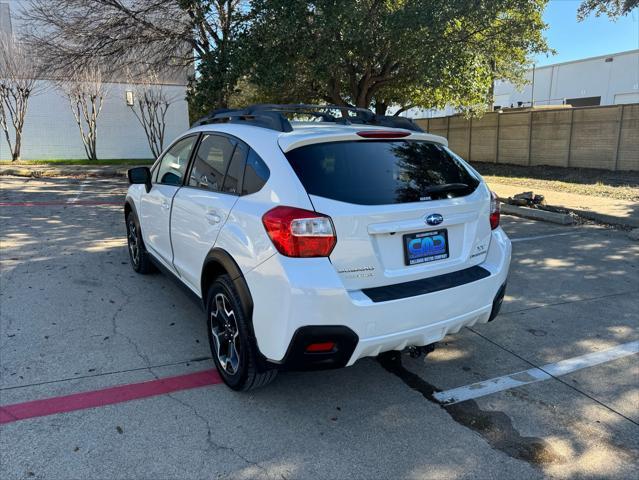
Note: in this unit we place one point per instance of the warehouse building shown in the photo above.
(604, 80)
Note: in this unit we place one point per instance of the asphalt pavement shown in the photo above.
(83, 335)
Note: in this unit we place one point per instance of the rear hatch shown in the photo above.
(402, 209)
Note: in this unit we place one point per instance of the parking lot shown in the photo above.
(78, 323)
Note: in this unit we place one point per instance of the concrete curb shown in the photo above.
(566, 219)
(44, 171)
(609, 219)
(535, 214)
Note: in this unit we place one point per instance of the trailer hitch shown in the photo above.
(416, 352)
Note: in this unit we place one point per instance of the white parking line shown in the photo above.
(75, 199)
(481, 389)
(538, 237)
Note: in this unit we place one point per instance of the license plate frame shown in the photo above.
(419, 252)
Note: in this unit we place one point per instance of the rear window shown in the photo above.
(381, 172)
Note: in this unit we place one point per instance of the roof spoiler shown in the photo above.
(272, 116)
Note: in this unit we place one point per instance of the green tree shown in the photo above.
(424, 53)
(218, 66)
(612, 8)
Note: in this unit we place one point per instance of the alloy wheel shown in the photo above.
(226, 335)
(132, 238)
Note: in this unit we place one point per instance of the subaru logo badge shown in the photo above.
(434, 219)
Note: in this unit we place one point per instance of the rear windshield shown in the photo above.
(381, 172)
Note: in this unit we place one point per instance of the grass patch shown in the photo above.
(583, 181)
(80, 162)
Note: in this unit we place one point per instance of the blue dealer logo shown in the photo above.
(435, 245)
(434, 219)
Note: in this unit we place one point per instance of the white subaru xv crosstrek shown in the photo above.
(313, 244)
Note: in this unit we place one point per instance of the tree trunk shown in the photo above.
(15, 155)
(380, 108)
(16, 152)
(93, 139)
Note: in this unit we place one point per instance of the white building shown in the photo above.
(605, 80)
(50, 131)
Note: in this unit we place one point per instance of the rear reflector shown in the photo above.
(320, 347)
(383, 133)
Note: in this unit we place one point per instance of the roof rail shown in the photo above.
(272, 116)
(267, 119)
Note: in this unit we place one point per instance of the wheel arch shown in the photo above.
(219, 262)
(129, 206)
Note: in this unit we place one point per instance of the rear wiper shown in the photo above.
(447, 187)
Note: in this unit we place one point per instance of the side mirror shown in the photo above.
(140, 175)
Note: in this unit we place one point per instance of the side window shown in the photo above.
(256, 174)
(173, 165)
(211, 161)
(233, 179)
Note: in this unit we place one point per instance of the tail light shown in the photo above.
(300, 233)
(494, 211)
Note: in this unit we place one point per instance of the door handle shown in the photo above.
(165, 205)
(213, 218)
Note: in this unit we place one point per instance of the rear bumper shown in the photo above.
(290, 294)
(424, 335)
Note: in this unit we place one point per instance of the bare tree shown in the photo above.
(86, 92)
(19, 75)
(169, 36)
(150, 104)
(72, 32)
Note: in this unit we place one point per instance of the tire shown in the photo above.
(233, 346)
(138, 256)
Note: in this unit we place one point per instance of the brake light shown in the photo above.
(494, 211)
(300, 233)
(383, 134)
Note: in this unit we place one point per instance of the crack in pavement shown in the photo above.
(8, 329)
(211, 444)
(102, 374)
(115, 331)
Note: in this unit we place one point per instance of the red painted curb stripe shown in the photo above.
(107, 396)
(46, 204)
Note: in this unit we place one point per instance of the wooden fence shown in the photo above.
(589, 137)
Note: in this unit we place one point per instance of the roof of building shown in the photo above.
(587, 59)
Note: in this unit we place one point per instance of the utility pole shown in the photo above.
(532, 93)
(491, 90)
